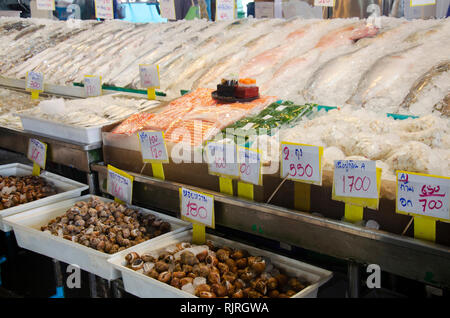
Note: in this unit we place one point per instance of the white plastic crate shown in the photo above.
(83, 135)
(146, 287)
(65, 187)
(27, 226)
(75, 133)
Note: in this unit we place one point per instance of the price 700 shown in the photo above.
(432, 204)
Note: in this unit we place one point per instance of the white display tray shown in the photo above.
(143, 286)
(27, 226)
(39, 126)
(66, 189)
(75, 133)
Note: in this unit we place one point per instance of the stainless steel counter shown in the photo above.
(414, 259)
(70, 154)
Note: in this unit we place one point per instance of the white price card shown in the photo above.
(153, 146)
(423, 194)
(355, 179)
(416, 3)
(92, 85)
(301, 162)
(119, 184)
(249, 165)
(224, 10)
(37, 152)
(104, 9)
(149, 75)
(264, 9)
(197, 207)
(324, 3)
(222, 159)
(48, 5)
(35, 81)
(167, 8)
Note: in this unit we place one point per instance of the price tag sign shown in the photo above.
(301, 162)
(423, 194)
(149, 75)
(48, 5)
(104, 9)
(153, 146)
(264, 10)
(93, 85)
(249, 165)
(167, 8)
(222, 159)
(35, 82)
(355, 178)
(197, 207)
(416, 3)
(324, 3)
(120, 184)
(358, 184)
(224, 10)
(37, 152)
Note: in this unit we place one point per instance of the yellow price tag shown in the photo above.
(226, 185)
(120, 184)
(93, 85)
(426, 197)
(149, 76)
(154, 151)
(357, 182)
(34, 83)
(197, 208)
(222, 162)
(301, 162)
(419, 3)
(37, 152)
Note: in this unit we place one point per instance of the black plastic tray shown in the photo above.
(227, 99)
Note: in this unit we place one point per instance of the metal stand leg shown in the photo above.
(115, 286)
(2, 260)
(11, 254)
(92, 182)
(104, 287)
(353, 280)
(10, 246)
(58, 280)
(93, 285)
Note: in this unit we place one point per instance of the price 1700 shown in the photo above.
(355, 184)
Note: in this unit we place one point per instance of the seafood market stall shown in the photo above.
(303, 60)
(14, 138)
(357, 245)
(312, 138)
(70, 128)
